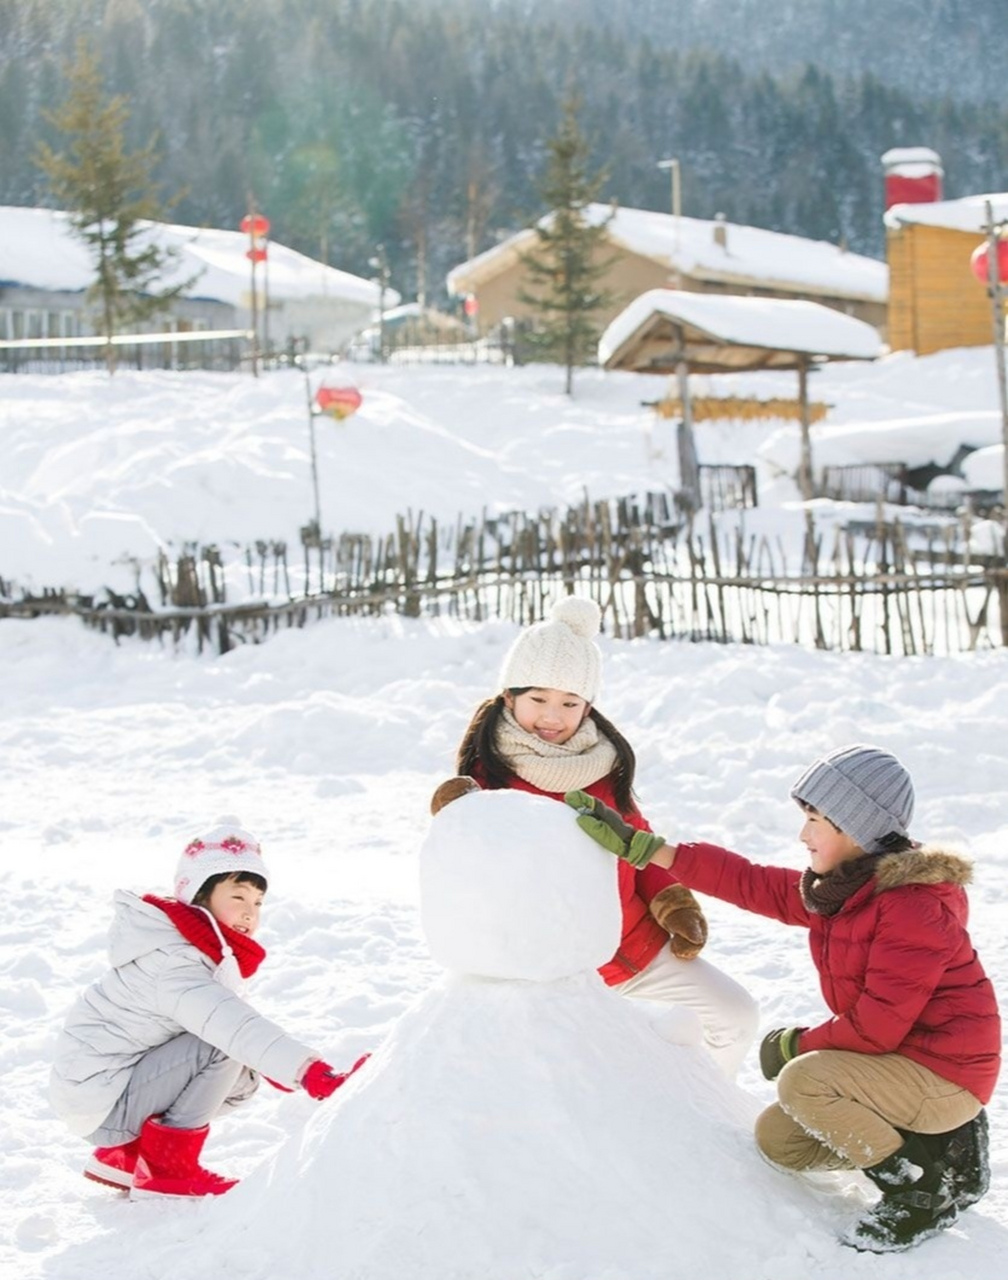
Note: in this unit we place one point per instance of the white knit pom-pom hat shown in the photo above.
(559, 653)
(226, 849)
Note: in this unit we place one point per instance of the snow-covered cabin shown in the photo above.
(45, 272)
(662, 251)
(935, 301)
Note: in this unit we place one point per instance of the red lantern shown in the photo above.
(338, 402)
(980, 262)
(255, 255)
(255, 225)
(471, 305)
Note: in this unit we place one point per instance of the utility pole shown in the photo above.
(302, 362)
(673, 166)
(380, 264)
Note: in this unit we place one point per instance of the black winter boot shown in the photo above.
(965, 1153)
(915, 1204)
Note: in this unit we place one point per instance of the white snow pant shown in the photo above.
(185, 1081)
(728, 1014)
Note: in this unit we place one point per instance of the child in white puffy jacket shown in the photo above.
(164, 1040)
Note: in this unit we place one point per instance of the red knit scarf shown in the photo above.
(193, 925)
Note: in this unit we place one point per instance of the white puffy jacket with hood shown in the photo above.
(159, 986)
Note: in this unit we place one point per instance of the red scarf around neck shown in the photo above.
(194, 926)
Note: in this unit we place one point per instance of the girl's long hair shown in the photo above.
(477, 752)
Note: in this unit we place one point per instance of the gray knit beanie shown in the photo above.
(864, 791)
(559, 653)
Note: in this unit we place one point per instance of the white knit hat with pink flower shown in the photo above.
(559, 653)
(226, 848)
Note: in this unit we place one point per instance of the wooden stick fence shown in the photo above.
(881, 587)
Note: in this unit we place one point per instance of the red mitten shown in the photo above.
(321, 1081)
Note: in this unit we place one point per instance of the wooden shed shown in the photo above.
(935, 301)
(672, 331)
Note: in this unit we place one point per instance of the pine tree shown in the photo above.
(566, 267)
(108, 192)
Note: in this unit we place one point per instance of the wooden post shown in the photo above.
(805, 483)
(689, 470)
(998, 318)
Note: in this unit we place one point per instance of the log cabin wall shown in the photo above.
(631, 274)
(935, 301)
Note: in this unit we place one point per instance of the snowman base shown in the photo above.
(507, 1129)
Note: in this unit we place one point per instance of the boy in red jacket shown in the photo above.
(895, 1081)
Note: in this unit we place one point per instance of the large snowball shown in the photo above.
(511, 887)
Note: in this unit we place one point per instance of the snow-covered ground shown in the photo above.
(96, 473)
(328, 742)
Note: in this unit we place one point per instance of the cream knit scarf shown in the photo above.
(583, 759)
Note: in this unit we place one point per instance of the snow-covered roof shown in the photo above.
(911, 162)
(727, 332)
(749, 255)
(966, 214)
(38, 249)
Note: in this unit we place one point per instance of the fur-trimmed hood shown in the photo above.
(929, 864)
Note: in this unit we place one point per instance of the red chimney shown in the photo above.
(913, 175)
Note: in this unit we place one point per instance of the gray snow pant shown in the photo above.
(185, 1081)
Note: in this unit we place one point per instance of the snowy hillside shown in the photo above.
(96, 472)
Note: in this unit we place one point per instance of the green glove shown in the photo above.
(777, 1050)
(607, 828)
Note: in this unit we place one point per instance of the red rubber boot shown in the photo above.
(113, 1166)
(168, 1164)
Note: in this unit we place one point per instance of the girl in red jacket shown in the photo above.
(895, 1080)
(543, 734)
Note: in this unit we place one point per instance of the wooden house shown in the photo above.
(935, 301)
(649, 250)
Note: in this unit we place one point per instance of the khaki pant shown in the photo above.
(841, 1110)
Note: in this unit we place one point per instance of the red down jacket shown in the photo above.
(896, 964)
(642, 936)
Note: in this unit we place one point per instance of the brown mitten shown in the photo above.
(679, 914)
(451, 790)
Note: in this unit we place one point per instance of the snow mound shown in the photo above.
(517, 1129)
